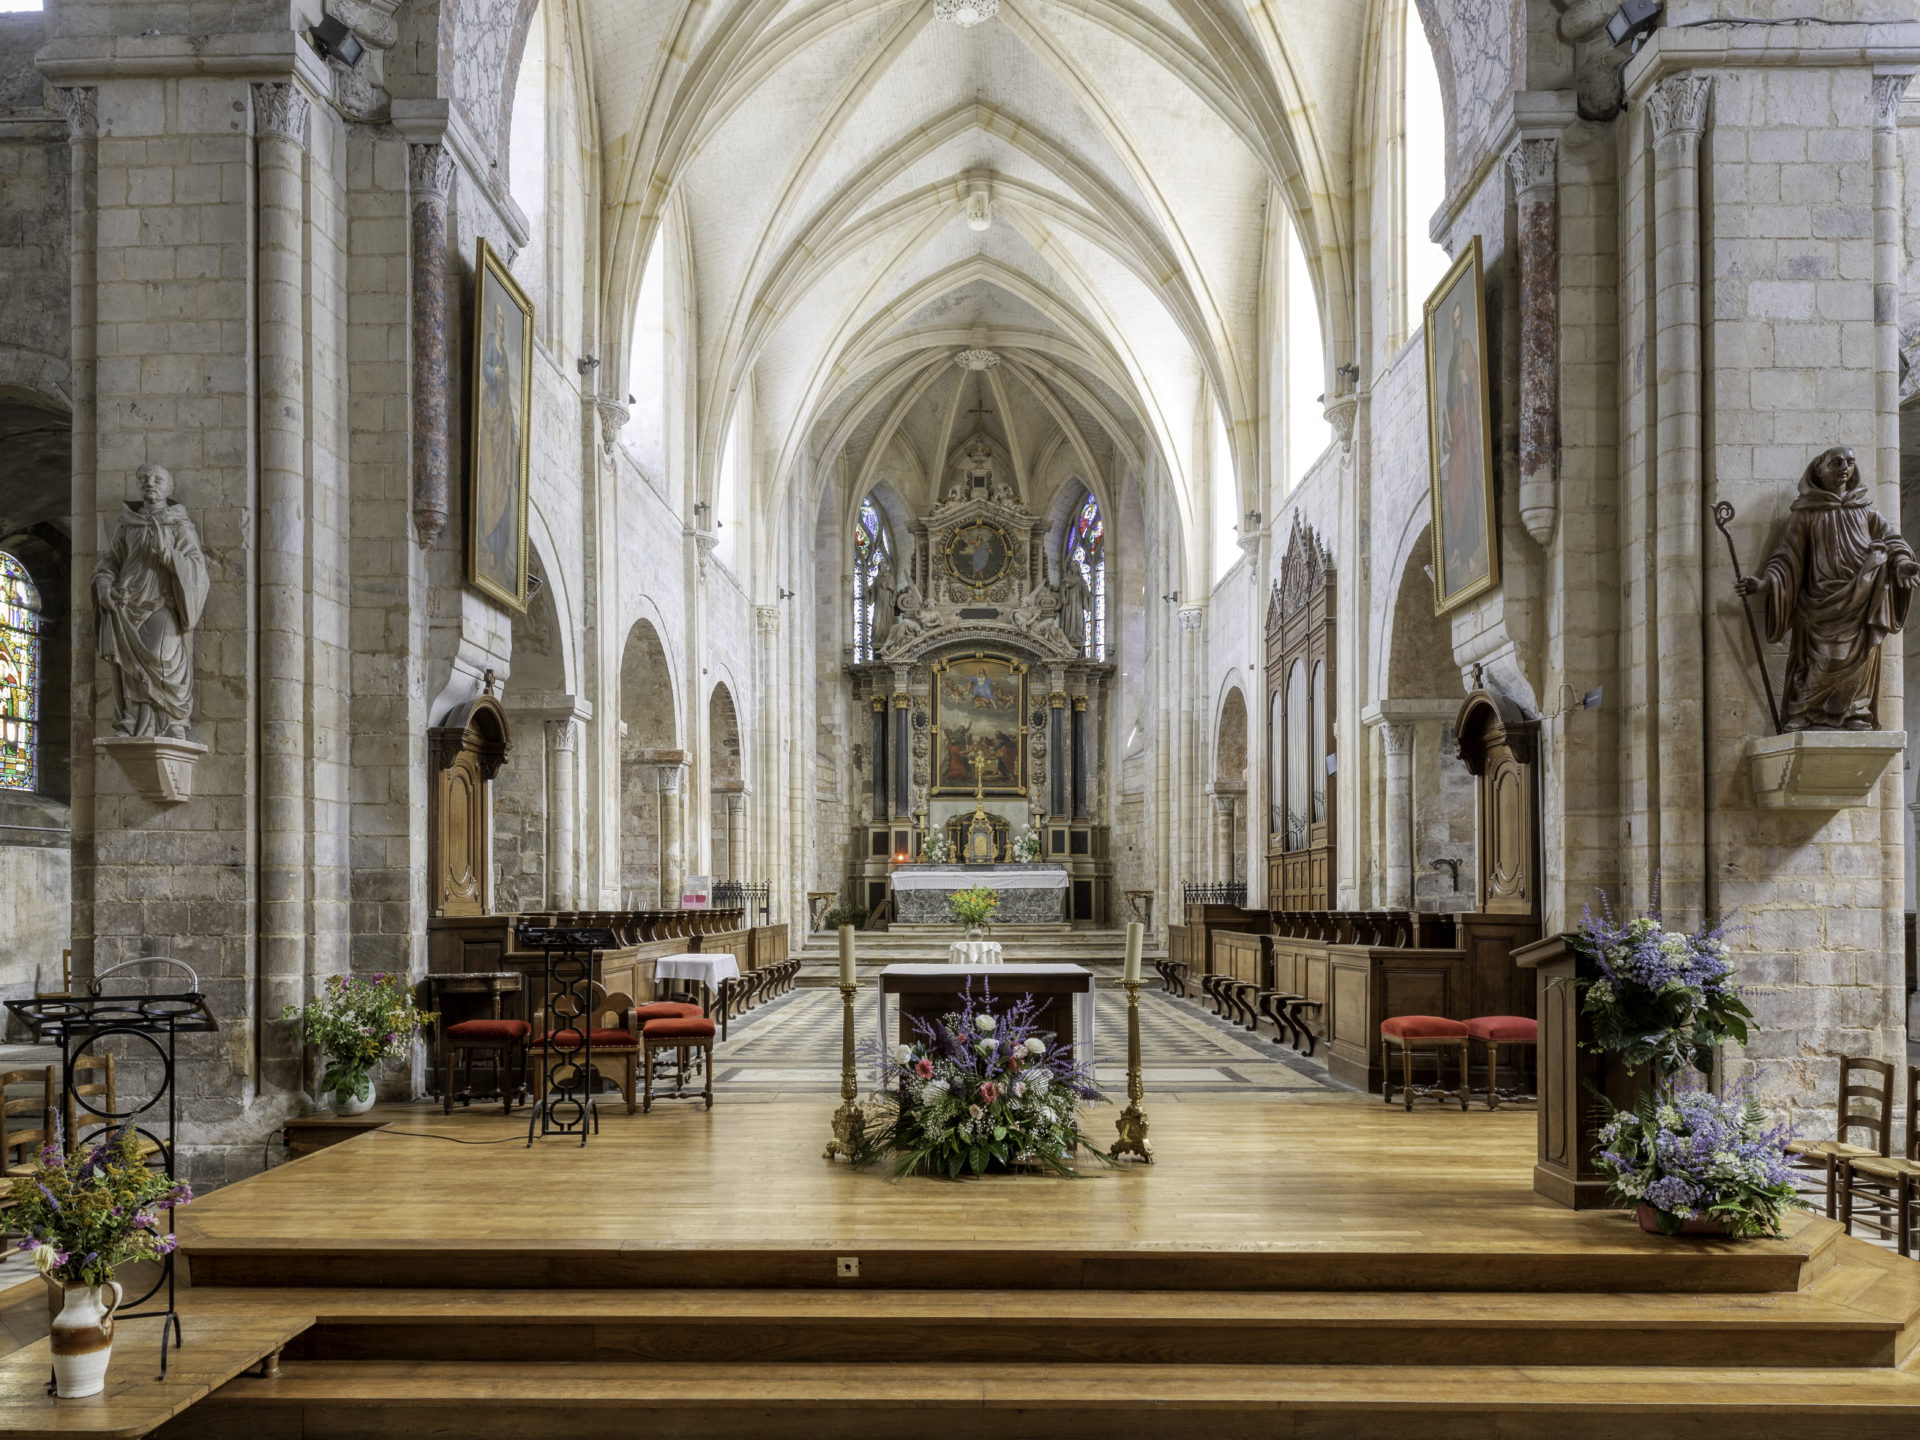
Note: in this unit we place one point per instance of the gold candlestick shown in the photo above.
(848, 1123)
(1132, 1123)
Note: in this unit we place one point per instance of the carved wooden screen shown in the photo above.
(1498, 745)
(1301, 743)
(466, 753)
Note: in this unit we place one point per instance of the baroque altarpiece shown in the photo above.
(980, 690)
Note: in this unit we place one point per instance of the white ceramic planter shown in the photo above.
(343, 1103)
(82, 1337)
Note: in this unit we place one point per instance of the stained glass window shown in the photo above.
(19, 677)
(1087, 553)
(872, 552)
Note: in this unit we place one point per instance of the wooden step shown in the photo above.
(507, 1397)
(995, 1327)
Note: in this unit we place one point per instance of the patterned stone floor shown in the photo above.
(792, 1047)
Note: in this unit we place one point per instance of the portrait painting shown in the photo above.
(977, 554)
(501, 443)
(1466, 553)
(978, 705)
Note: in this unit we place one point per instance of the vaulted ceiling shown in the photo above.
(820, 155)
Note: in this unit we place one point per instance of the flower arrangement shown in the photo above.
(1027, 848)
(854, 915)
(360, 1024)
(1661, 999)
(974, 906)
(934, 848)
(980, 1091)
(1693, 1155)
(84, 1214)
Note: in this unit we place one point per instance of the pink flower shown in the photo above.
(989, 1091)
(924, 1069)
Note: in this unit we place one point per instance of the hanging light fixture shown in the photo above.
(965, 13)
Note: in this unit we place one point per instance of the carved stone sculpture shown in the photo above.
(885, 602)
(1075, 603)
(1839, 584)
(1038, 613)
(148, 592)
(915, 616)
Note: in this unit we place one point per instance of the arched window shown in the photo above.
(1425, 159)
(1087, 553)
(19, 677)
(872, 553)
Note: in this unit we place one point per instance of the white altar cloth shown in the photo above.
(975, 952)
(707, 969)
(992, 877)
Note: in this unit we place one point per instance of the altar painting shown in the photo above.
(979, 702)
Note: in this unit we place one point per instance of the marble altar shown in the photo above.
(1029, 894)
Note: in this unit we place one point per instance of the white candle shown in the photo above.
(1135, 930)
(846, 955)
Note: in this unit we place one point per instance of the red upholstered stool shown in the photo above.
(503, 1040)
(683, 1034)
(1493, 1031)
(1423, 1032)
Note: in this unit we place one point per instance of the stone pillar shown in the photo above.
(563, 748)
(282, 115)
(1678, 107)
(1532, 166)
(1057, 800)
(1887, 92)
(879, 760)
(430, 177)
(1396, 740)
(1080, 757)
(1220, 867)
(902, 754)
(673, 867)
(737, 837)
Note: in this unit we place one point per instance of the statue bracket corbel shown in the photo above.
(160, 767)
(1821, 769)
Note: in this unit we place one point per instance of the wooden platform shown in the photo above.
(1329, 1268)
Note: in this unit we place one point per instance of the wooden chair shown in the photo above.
(1493, 1031)
(26, 1118)
(1882, 1193)
(683, 1033)
(503, 1041)
(612, 1034)
(1866, 1104)
(1408, 1033)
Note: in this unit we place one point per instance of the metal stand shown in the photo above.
(849, 1123)
(1132, 1123)
(77, 1023)
(565, 1105)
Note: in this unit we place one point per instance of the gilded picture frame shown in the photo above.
(979, 706)
(1465, 526)
(500, 438)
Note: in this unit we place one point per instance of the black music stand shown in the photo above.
(565, 1104)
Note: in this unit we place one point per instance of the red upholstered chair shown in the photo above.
(612, 1035)
(1408, 1033)
(504, 1041)
(1493, 1031)
(686, 1033)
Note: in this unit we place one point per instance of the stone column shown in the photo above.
(902, 753)
(1220, 866)
(1080, 757)
(563, 747)
(282, 115)
(1531, 163)
(879, 760)
(1396, 740)
(430, 178)
(737, 837)
(1678, 108)
(673, 868)
(1057, 800)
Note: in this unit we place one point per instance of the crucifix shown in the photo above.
(979, 763)
(979, 410)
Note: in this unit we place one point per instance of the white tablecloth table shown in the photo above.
(975, 952)
(706, 971)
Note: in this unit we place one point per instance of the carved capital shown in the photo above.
(1887, 93)
(670, 776)
(1396, 738)
(613, 419)
(1533, 164)
(1192, 618)
(281, 111)
(81, 105)
(766, 619)
(430, 173)
(564, 734)
(1678, 105)
(1341, 414)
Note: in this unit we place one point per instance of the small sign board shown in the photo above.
(696, 893)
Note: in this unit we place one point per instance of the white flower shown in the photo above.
(1036, 1047)
(903, 1053)
(936, 1084)
(45, 1258)
(985, 1023)
(985, 1047)
(974, 1111)
(1019, 1087)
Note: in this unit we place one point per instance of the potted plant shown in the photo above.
(973, 908)
(1026, 849)
(1696, 1163)
(360, 1024)
(854, 915)
(979, 1091)
(84, 1214)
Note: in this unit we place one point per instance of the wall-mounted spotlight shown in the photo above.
(1634, 21)
(788, 594)
(1173, 599)
(702, 508)
(332, 40)
(1250, 523)
(588, 362)
(1348, 371)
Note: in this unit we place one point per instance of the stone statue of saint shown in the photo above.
(1039, 612)
(1076, 601)
(915, 616)
(148, 592)
(1838, 585)
(885, 600)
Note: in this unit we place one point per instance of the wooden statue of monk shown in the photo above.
(1839, 583)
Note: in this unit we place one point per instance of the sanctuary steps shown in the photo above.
(1332, 1268)
(1099, 950)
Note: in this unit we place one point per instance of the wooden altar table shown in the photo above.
(1064, 993)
